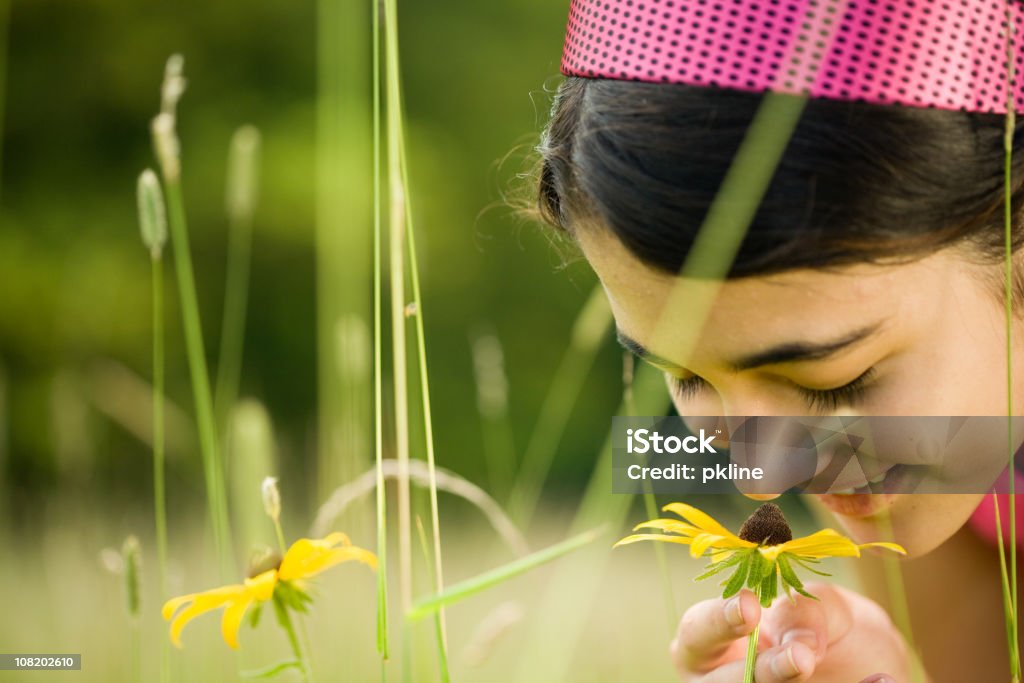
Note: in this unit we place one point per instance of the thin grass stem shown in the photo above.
(167, 147)
(153, 229)
(588, 332)
(1010, 130)
(442, 647)
(434, 603)
(650, 503)
(1004, 577)
(898, 599)
(428, 423)
(208, 440)
(378, 409)
(548, 652)
(159, 449)
(397, 232)
(243, 164)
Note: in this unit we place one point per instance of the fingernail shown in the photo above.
(805, 636)
(879, 678)
(734, 612)
(787, 664)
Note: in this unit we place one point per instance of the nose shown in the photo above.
(733, 404)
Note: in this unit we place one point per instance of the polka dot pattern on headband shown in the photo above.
(949, 54)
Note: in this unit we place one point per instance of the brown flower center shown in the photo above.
(767, 526)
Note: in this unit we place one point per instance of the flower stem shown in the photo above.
(280, 534)
(285, 619)
(748, 670)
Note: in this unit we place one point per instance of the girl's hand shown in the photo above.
(839, 638)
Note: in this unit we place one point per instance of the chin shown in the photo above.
(918, 522)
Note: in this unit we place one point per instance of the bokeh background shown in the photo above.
(80, 84)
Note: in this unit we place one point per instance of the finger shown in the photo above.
(783, 664)
(815, 623)
(879, 678)
(708, 629)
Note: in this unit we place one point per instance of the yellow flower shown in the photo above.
(763, 550)
(306, 557)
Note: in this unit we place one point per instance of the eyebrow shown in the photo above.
(792, 352)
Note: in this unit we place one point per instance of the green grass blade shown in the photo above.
(651, 504)
(153, 229)
(464, 589)
(378, 379)
(243, 172)
(1011, 127)
(547, 655)
(396, 248)
(159, 448)
(166, 144)
(589, 331)
(208, 442)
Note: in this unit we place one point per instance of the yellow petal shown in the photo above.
(672, 526)
(203, 602)
(307, 556)
(653, 537)
(701, 520)
(824, 543)
(702, 542)
(232, 620)
(895, 547)
(261, 586)
(172, 605)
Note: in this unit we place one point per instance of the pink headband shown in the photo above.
(949, 54)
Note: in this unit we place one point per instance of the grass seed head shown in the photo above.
(132, 558)
(152, 213)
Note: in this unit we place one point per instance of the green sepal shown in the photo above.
(790, 578)
(735, 582)
(718, 567)
(769, 586)
(254, 615)
(760, 567)
(803, 562)
(292, 596)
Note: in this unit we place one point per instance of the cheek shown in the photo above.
(920, 523)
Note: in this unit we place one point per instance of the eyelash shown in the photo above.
(823, 400)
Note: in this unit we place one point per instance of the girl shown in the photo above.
(871, 278)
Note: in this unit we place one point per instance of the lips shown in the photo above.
(867, 499)
(861, 483)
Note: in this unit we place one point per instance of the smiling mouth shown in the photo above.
(880, 483)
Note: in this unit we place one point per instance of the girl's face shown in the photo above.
(921, 338)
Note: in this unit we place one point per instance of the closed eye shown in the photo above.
(819, 400)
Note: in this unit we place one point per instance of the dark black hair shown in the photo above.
(857, 183)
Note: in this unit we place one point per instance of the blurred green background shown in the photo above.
(79, 86)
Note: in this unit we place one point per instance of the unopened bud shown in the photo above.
(272, 498)
(132, 557)
(152, 214)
